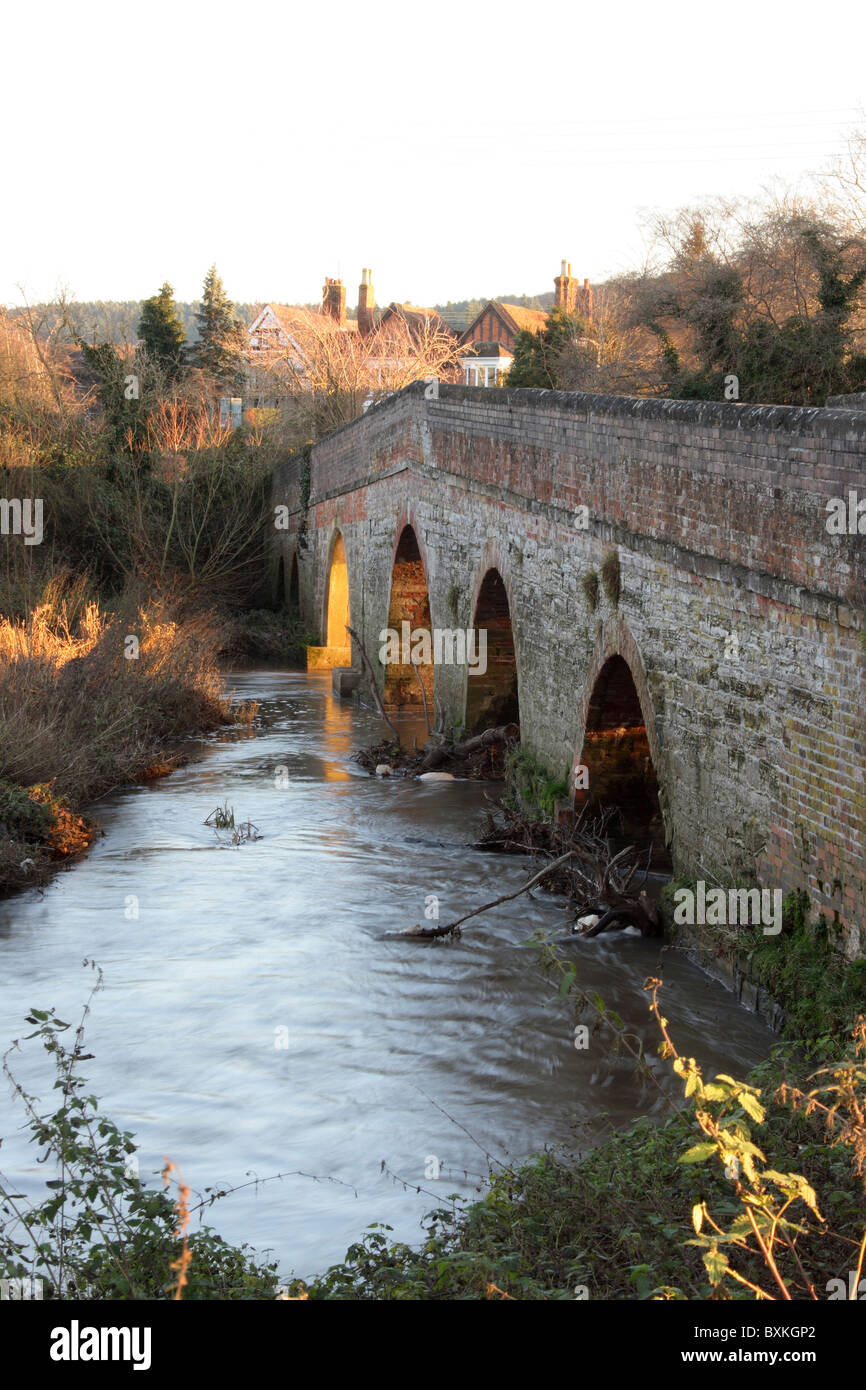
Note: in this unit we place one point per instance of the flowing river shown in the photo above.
(257, 1020)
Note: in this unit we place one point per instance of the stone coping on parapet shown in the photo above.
(823, 421)
(833, 420)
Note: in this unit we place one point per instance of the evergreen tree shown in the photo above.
(118, 394)
(536, 355)
(221, 336)
(162, 332)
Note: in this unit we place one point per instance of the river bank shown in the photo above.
(92, 699)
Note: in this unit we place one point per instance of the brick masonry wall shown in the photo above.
(717, 513)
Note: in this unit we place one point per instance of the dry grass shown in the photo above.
(90, 699)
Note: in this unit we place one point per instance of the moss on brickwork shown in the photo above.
(530, 787)
(611, 577)
(805, 970)
(589, 584)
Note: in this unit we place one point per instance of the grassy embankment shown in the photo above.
(91, 699)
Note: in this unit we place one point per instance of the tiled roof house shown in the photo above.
(489, 340)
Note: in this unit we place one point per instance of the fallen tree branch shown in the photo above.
(423, 695)
(501, 734)
(371, 677)
(451, 927)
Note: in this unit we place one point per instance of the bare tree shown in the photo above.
(843, 186)
(615, 353)
(38, 393)
(24, 381)
(330, 373)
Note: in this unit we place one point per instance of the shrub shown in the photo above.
(85, 687)
(109, 690)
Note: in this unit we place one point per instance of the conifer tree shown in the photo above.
(536, 355)
(161, 330)
(221, 336)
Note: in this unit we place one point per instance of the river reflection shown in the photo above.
(256, 1020)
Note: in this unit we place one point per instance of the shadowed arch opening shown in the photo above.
(280, 593)
(409, 620)
(294, 587)
(338, 597)
(617, 756)
(491, 697)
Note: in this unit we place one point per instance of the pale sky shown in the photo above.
(456, 149)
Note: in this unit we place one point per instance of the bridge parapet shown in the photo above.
(746, 485)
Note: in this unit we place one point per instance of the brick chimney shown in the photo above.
(586, 305)
(566, 290)
(334, 300)
(366, 302)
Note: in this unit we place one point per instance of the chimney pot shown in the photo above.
(566, 290)
(334, 300)
(366, 302)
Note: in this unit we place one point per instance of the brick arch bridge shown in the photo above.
(702, 565)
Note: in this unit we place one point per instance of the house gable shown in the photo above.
(498, 325)
(269, 331)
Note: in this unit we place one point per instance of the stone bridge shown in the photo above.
(668, 602)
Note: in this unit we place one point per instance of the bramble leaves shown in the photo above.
(698, 1153)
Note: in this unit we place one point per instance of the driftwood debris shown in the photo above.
(600, 882)
(481, 757)
(640, 912)
(608, 879)
(455, 752)
(419, 933)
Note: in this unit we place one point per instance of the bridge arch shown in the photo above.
(492, 695)
(336, 599)
(409, 625)
(618, 744)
